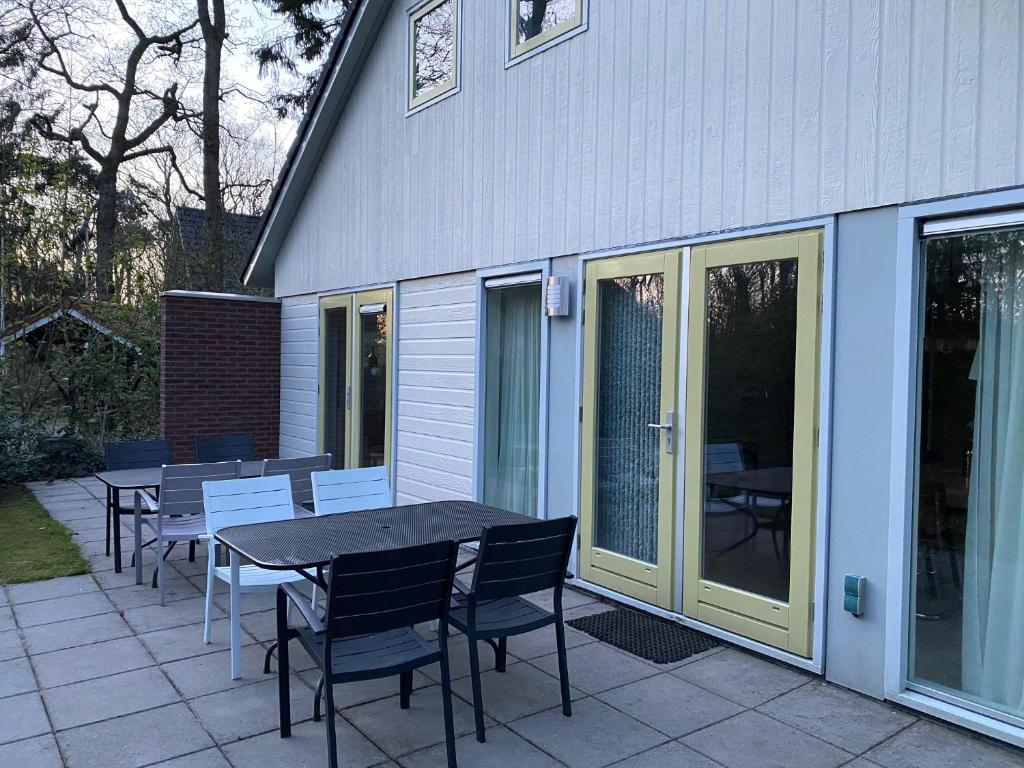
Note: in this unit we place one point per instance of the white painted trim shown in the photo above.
(395, 342)
(818, 222)
(534, 272)
(372, 309)
(355, 289)
(679, 438)
(960, 224)
(443, 91)
(59, 313)
(903, 468)
(220, 296)
(729, 637)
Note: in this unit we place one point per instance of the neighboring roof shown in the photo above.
(239, 230)
(344, 63)
(101, 317)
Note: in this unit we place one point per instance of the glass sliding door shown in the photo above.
(511, 446)
(355, 379)
(629, 393)
(967, 597)
(751, 415)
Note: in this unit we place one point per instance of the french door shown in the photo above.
(355, 379)
(628, 417)
(751, 425)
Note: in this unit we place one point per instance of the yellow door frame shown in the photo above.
(650, 582)
(785, 625)
(352, 303)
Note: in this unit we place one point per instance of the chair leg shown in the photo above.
(284, 699)
(317, 694)
(478, 705)
(332, 737)
(109, 508)
(160, 572)
(446, 704)
(501, 654)
(191, 551)
(209, 599)
(404, 689)
(236, 630)
(138, 544)
(116, 533)
(563, 667)
(267, 656)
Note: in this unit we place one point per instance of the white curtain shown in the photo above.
(993, 606)
(512, 393)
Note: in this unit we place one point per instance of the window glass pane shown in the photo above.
(750, 374)
(434, 49)
(335, 360)
(968, 559)
(373, 360)
(631, 313)
(512, 392)
(538, 16)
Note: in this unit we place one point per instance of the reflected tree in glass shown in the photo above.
(434, 49)
(538, 16)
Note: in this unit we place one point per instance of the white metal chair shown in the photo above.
(724, 457)
(237, 502)
(349, 490)
(179, 512)
(299, 471)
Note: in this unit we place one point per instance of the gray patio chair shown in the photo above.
(130, 454)
(374, 599)
(225, 448)
(179, 514)
(299, 471)
(514, 560)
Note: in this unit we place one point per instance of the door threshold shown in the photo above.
(808, 665)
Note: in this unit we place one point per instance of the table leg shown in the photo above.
(115, 514)
(109, 511)
(284, 700)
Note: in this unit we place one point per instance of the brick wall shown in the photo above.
(220, 370)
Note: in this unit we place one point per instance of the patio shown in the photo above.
(94, 672)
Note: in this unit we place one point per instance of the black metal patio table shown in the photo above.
(309, 544)
(141, 479)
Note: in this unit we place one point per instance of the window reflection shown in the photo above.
(434, 49)
(968, 565)
(538, 16)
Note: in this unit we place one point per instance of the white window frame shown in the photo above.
(516, 52)
(506, 274)
(452, 86)
(981, 208)
(827, 224)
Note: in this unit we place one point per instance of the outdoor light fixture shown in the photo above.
(556, 297)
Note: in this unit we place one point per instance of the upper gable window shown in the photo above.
(433, 39)
(536, 22)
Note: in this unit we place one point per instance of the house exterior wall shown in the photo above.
(664, 119)
(300, 318)
(220, 366)
(435, 404)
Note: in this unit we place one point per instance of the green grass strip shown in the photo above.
(33, 545)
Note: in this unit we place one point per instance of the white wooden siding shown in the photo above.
(436, 357)
(664, 119)
(299, 349)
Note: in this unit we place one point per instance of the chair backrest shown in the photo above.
(181, 485)
(379, 591)
(350, 490)
(723, 457)
(519, 559)
(247, 500)
(137, 454)
(225, 448)
(299, 471)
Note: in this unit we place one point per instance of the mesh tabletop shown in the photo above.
(313, 541)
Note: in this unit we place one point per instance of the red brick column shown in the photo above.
(220, 369)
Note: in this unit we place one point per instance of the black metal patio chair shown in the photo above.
(131, 454)
(373, 601)
(210, 450)
(514, 560)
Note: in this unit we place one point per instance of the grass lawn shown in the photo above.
(33, 545)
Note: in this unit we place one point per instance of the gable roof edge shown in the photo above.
(348, 55)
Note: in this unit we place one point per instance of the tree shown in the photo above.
(313, 25)
(213, 24)
(121, 112)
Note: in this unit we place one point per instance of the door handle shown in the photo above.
(667, 428)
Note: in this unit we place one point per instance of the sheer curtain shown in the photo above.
(993, 609)
(512, 392)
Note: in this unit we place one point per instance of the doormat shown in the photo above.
(648, 637)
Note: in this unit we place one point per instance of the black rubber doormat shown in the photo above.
(643, 635)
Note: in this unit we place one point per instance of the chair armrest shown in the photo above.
(302, 603)
(148, 503)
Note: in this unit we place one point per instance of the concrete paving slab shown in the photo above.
(742, 677)
(691, 708)
(21, 717)
(61, 609)
(52, 588)
(306, 748)
(16, 677)
(85, 662)
(502, 749)
(106, 697)
(75, 632)
(597, 667)
(927, 745)
(38, 752)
